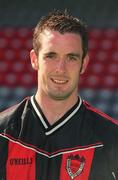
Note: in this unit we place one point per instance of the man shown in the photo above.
(55, 135)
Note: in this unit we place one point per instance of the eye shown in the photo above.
(72, 58)
(50, 56)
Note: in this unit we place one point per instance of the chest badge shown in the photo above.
(75, 165)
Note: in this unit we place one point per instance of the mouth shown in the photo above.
(59, 81)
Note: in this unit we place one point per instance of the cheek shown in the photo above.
(43, 73)
(42, 67)
(74, 76)
(75, 69)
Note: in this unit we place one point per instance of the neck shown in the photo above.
(55, 109)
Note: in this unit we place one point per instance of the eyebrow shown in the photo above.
(69, 54)
(50, 53)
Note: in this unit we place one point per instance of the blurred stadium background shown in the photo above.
(99, 85)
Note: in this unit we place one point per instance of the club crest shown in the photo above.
(75, 165)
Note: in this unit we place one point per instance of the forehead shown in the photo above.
(56, 38)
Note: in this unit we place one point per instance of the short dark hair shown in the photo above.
(61, 21)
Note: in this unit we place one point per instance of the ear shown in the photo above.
(84, 64)
(34, 59)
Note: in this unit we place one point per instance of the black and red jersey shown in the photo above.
(82, 145)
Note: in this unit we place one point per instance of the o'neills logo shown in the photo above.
(75, 165)
(21, 161)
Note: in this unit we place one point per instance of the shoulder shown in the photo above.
(104, 125)
(12, 115)
(99, 115)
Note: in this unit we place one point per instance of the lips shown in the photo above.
(59, 81)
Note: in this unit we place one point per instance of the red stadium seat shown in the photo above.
(15, 67)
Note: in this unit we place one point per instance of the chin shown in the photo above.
(60, 97)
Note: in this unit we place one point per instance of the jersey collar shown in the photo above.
(52, 128)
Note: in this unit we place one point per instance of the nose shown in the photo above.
(61, 65)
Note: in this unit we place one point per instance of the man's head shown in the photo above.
(63, 22)
(59, 55)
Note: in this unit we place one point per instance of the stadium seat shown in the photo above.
(98, 85)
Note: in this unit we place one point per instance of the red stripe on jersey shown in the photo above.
(21, 163)
(88, 106)
(78, 164)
